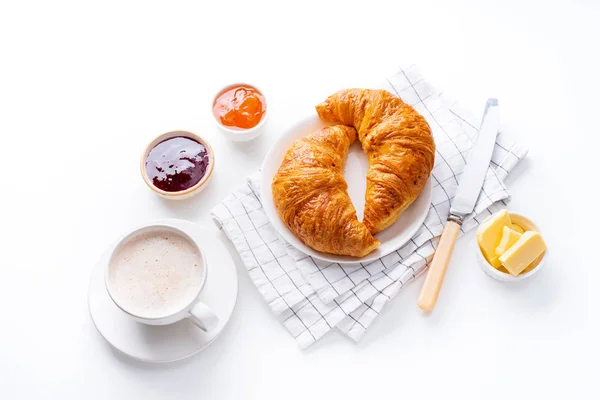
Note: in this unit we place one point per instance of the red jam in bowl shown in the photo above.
(239, 107)
(177, 163)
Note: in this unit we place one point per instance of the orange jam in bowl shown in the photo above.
(239, 107)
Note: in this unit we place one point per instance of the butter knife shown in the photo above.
(463, 203)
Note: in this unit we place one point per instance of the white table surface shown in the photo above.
(83, 88)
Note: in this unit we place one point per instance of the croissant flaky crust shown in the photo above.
(398, 143)
(311, 198)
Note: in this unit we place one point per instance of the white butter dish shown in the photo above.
(527, 225)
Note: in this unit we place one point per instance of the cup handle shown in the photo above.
(203, 317)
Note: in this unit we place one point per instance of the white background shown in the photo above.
(84, 87)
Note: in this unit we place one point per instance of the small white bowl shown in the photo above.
(183, 194)
(527, 225)
(241, 135)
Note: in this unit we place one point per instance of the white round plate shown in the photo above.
(160, 344)
(355, 172)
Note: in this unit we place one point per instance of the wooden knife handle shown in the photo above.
(438, 266)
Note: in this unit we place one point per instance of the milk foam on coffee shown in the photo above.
(155, 274)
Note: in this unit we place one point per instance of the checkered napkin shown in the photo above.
(310, 296)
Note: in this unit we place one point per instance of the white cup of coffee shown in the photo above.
(155, 275)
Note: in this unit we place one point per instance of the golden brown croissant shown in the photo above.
(398, 143)
(310, 194)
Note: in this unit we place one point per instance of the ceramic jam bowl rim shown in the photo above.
(168, 135)
(240, 131)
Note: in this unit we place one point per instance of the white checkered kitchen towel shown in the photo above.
(311, 297)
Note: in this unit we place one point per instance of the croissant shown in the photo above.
(398, 143)
(311, 198)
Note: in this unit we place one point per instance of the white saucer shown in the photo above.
(160, 344)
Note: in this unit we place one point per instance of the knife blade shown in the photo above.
(463, 203)
(480, 155)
